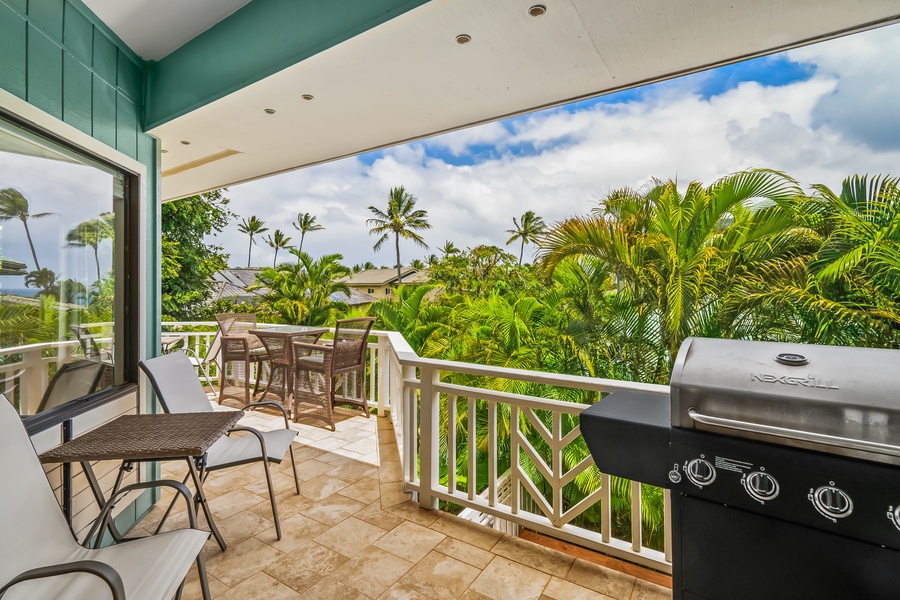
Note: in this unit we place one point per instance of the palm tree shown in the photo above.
(89, 234)
(41, 278)
(301, 293)
(13, 205)
(679, 257)
(527, 230)
(306, 223)
(417, 263)
(411, 314)
(401, 218)
(845, 289)
(251, 228)
(448, 248)
(278, 241)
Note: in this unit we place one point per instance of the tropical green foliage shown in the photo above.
(301, 293)
(188, 261)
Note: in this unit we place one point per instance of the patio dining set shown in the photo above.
(307, 375)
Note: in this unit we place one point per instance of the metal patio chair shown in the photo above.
(318, 366)
(179, 391)
(240, 346)
(73, 380)
(39, 557)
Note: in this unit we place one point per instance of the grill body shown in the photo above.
(783, 465)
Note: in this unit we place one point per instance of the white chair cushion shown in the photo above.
(151, 568)
(244, 447)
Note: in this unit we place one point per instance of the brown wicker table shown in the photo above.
(142, 438)
(279, 343)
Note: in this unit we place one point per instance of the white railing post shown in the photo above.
(636, 541)
(383, 367)
(429, 437)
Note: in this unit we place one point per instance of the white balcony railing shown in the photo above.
(415, 392)
(418, 385)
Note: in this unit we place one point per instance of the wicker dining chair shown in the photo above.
(239, 346)
(317, 366)
(280, 361)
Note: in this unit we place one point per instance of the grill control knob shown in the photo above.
(832, 502)
(761, 486)
(701, 472)
(894, 516)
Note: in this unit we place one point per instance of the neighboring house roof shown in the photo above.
(378, 277)
(232, 284)
(241, 277)
(356, 298)
(9, 266)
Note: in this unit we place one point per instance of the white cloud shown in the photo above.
(808, 129)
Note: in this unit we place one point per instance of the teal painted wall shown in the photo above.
(57, 56)
(262, 38)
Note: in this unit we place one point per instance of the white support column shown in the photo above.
(429, 438)
(383, 367)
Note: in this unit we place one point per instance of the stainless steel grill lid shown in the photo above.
(828, 398)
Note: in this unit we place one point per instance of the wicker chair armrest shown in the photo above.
(277, 405)
(314, 347)
(92, 567)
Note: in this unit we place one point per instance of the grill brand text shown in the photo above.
(809, 381)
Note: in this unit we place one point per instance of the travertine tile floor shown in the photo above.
(353, 534)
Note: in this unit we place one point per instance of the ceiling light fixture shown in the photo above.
(463, 38)
(164, 151)
(185, 142)
(537, 10)
(307, 96)
(269, 111)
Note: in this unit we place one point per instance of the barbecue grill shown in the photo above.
(784, 466)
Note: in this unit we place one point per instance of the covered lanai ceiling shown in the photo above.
(409, 78)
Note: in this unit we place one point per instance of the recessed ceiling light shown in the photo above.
(463, 38)
(537, 10)
(307, 96)
(269, 111)
(185, 142)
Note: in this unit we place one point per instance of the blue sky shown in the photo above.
(819, 113)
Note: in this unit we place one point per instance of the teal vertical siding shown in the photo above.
(59, 57)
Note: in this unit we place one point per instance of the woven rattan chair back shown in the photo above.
(239, 346)
(320, 371)
(280, 350)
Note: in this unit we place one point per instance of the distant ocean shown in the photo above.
(27, 292)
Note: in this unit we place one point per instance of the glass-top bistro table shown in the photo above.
(279, 343)
(141, 438)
